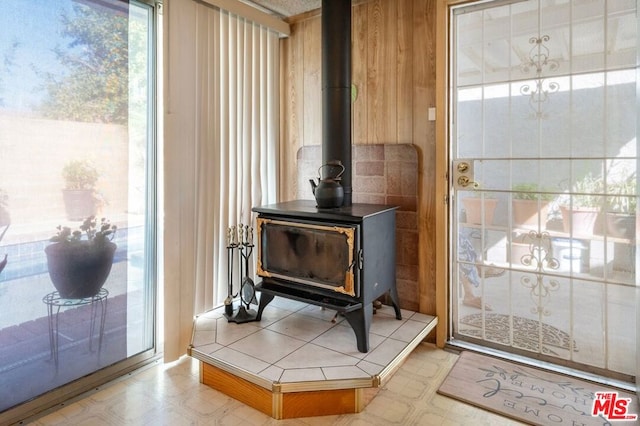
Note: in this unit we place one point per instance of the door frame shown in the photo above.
(442, 183)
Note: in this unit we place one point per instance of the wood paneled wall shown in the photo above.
(393, 70)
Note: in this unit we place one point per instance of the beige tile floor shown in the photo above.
(170, 394)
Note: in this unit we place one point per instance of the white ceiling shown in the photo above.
(286, 8)
(509, 42)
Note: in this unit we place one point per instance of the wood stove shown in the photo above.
(341, 259)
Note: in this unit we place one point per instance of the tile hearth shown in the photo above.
(298, 351)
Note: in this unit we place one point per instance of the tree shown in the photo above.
(96, 85)
(8, 62)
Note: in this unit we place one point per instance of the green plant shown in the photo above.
(90, 230)
(586, 192)
(80, 174)
(530, 191)
(623, 195)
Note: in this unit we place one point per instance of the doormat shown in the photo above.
(527, 333)
(536, 396)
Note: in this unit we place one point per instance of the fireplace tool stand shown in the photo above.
(242, 241)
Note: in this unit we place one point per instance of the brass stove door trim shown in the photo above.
(348, 288)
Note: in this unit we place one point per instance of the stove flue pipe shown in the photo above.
(336, 88)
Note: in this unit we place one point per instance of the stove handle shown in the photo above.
(360, 259)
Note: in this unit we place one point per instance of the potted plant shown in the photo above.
(79, 261)
(529, 205)
(80, 178)
(477, 204)
(581, 209)
(621, 208)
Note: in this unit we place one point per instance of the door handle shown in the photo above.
(463, 176)
(464, 181)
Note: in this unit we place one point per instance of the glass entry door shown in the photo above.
(544, 176)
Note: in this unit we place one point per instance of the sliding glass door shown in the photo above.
(544, 150)
(77, 197)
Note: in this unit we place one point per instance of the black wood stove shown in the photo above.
(341, 259)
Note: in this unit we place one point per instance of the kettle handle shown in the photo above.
(332, 165)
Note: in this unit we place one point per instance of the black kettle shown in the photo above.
(328, 192)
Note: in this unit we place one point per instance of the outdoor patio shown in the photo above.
(27, 367)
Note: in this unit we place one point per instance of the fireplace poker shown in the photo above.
(228, 302)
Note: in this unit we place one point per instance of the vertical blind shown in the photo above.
(221, 129)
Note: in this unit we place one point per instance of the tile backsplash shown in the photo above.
(381, 174)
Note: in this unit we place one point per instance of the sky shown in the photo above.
(34, 26)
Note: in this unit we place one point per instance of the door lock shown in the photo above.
(463, 174)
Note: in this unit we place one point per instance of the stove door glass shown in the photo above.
(313, 254)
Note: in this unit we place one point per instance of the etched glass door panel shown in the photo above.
(544, 118)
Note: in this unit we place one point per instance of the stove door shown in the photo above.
(311, 253)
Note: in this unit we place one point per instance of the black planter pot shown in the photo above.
(79, 269)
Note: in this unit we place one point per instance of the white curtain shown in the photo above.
(221, 124)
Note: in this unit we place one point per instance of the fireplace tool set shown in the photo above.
(240, 239)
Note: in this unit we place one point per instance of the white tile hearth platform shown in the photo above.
(298, 362)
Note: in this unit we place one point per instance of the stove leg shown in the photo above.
(264, 301)
(360, 321)
(395, 301)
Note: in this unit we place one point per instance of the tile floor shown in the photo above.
(170, 394)
(298, 342)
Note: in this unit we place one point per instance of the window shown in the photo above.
(76, 151)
